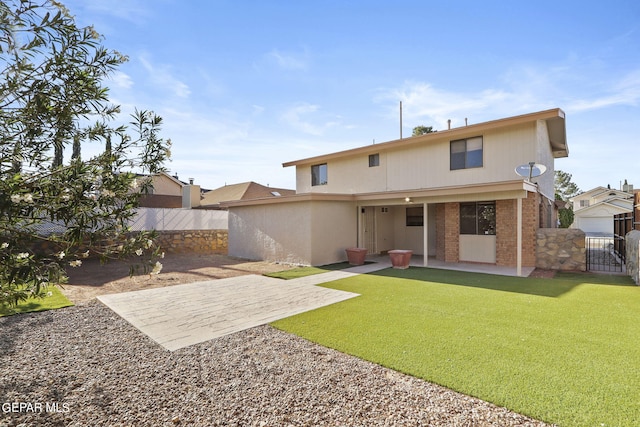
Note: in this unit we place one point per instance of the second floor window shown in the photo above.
(466, 153)
(374, 160)
(319, 174)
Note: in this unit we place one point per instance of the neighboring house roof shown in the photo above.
(599, 195)
(604, 208)
(554, 118)
(166, 192)
(243, 191)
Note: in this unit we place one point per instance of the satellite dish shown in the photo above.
(531, 170)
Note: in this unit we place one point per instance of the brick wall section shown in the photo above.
(530, 225)
(506, 236)
(452, 232)
(440, 241)
(194, 241)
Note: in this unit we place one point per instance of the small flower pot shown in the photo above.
(356, 256)
(400, 258)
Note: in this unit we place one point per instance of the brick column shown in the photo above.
(530, 225)
(440, 240)
(452, 232)
(506, 238)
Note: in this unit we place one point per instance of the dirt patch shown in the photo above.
(93, 279)
(544, 274)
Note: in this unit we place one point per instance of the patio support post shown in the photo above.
(519, 238)
(358, 225)
(425, 234)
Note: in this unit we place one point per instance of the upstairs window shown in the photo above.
(466, 153)
(374, 160)
(478, 218)
(319, 174)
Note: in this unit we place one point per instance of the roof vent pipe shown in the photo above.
(465, 122)
(449, 124)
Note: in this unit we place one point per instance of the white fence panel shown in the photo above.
(163, 219)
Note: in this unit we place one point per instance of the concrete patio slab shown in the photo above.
(183, 315)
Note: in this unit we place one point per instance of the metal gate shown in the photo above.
(602, 254)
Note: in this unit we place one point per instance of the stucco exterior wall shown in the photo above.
(271, 232)
(305, 233)
(334, 228)
(544, 156)
(166, 186)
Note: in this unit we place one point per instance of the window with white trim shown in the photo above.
(466, 153)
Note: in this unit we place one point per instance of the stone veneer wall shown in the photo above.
(194, 241)
(561, 249)
(632, 242)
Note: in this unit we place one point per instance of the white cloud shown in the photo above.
(624, 92)
(121, 80)
(522, 89)
(309, 119)
(288, 61)
(162, 77)
(132, 10)
(424, 104)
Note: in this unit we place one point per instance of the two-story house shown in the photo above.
(594, 209)
(452, 195)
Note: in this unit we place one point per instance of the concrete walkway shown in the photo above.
(183, 315)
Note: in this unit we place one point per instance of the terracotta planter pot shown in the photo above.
(356, 256)
(400, 258)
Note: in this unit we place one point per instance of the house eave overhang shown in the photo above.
(555, 119)
(507, 189)
(502, 190)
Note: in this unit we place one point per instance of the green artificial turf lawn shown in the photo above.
(563, 350)
(56, 300)
(298, 272)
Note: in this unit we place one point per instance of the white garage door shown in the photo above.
(595, 224)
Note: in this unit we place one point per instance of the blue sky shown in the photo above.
(244, 86)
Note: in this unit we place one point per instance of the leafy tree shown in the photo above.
(421, 130)
(564, 190)
(54, 214)
(564, 187)
(566, 216)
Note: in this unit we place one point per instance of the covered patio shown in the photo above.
(471, 267)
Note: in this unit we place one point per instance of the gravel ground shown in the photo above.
(85, 366)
